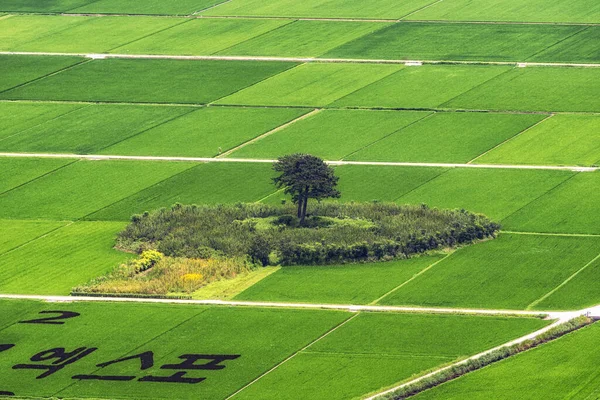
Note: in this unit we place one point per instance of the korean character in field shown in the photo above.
(59, 358)
(4, 347)
(213, 362)
(146, 361)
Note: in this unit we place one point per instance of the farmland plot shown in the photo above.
(18, 70)
(14, 233)
(18, 117)
(15, 172)
(154, 81)
(583, 47)
(156, 7)
(37, 6)
(17, 30)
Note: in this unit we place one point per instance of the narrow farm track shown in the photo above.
(101, 56)
(99, 157)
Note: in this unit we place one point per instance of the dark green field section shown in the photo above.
(583, 11)
(18, 117)
(172, 7)
(477, 42)
(566, 368)
(275, 336)
(580, 48)
(145, 81)
(526, 266)
(44, 7)
(18, 70)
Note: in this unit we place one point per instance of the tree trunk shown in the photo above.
(304, 206)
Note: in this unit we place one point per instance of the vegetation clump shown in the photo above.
(332, 233)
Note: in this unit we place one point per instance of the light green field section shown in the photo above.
(439, 41)
(447, 138)
(156, 7)
(16, 233)
(211, 183)
(17, 117)
(510, 272)
(303, 39)
(37, 6)
(202, 132)
(573, 207)
(389, 9)
(536, 89)
(581, 48)
(85, 35)
(146, 81)
(89, 129)
(566, 368)
(584, 11)
(331, 134)
(428, 86)
(201, 36)
(373, 351)
(17, 70)
(496, 193)
(560, 140)
(82, 188)
(337, 284)
(15, 172)
(62, 259)
(311, 85)
(18, 30)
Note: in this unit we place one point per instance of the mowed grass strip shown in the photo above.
(560, 140)
(573, 207)
(563, 368)
(17, 117)
(496, 193)
(386, 9)
(18, 171)
(536, 89)
(337, 284)
(376, 350)
(144, 81)
(273, 335)
(427, 86)
(510, 272)
(331, 134)
(17, 70)
(447, 138)
(84, 35)
(64, 258)
(585, 11)
(201, 36)
(303, 39)
(90, 128)
(14, 233)
(583, 47)
(211, 183)
(438, 41)
(37, 6)
(151, 7)
(311, 85)
(203, 132)
(82, 188)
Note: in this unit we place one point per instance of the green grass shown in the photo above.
(496, 193)
(303, 39)
(37, 6)
(89, 34)
(89, 129)
(156, 7)
(155, 81)
(536, 89)
(566, 368)
(201, 36)
(573, 207)
(437, 41)
(581, 48)
(210, 183)
(561, 140)
(374, 351)
(202, 132)
(447, 138)
(82, 188)
(428, 86)
(311, 85)
(17, 70)
(320, 8)
(15, 172)
(16, 233)
(337, 284)
(510, 272)
(18, 117)
(66, 257)
(331, 134)
(512, 10)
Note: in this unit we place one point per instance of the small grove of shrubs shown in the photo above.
(333, 232)
(474, 364)
(146, 260)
